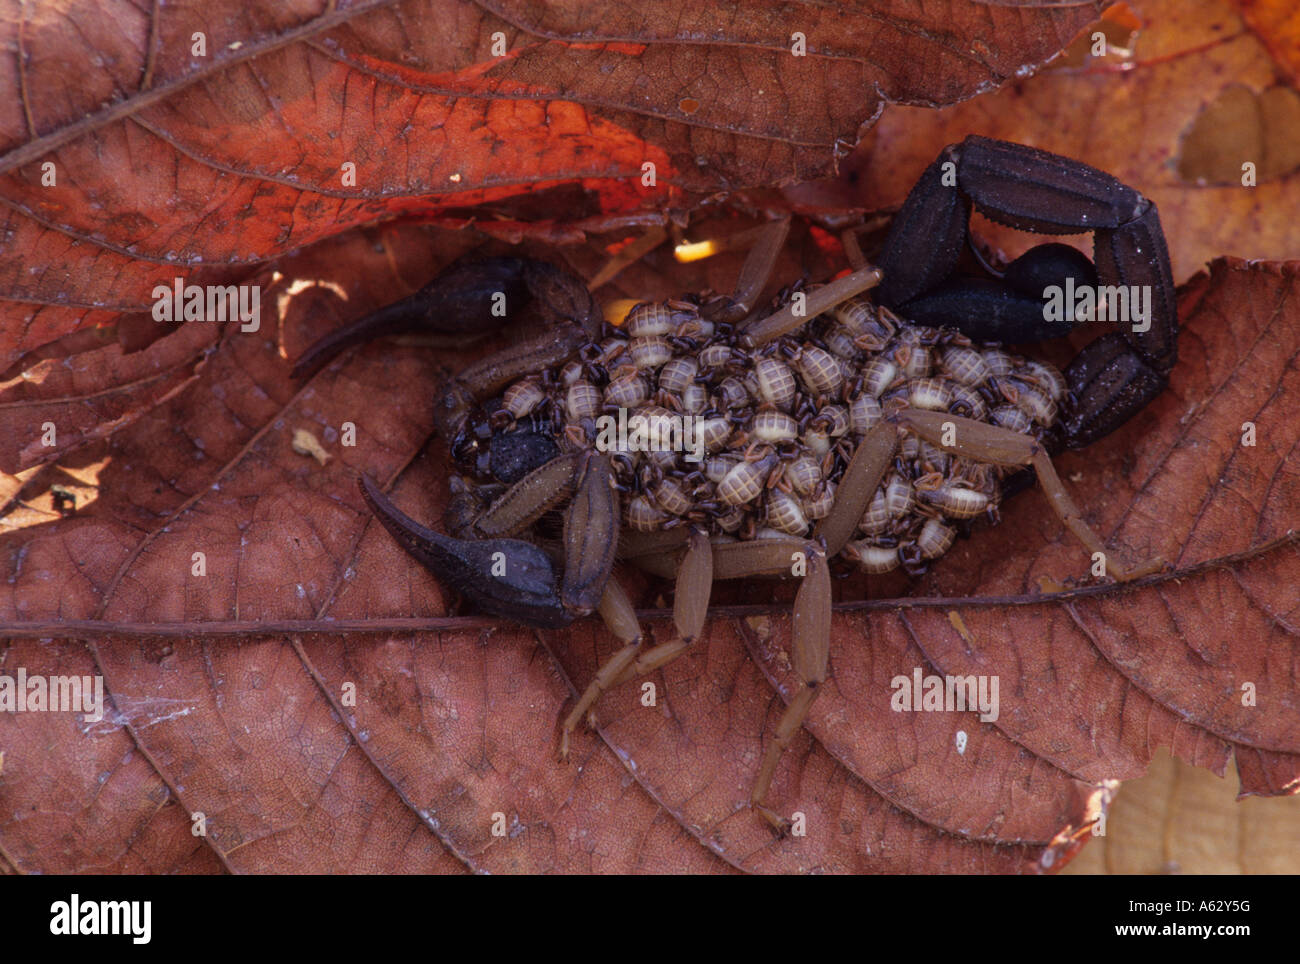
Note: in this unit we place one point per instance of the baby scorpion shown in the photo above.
(830, 426)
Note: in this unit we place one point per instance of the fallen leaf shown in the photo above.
(406, 749)
(1277, 24)
(1181, 820)
(201, 142)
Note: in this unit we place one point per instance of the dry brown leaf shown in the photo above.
(1181, 820)
(169, 160)
(1277, 24)
(188, 448)
(452, 728)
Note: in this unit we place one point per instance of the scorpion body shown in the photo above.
(830, 426)
(776, 426)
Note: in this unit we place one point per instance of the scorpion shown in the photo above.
(836, 424)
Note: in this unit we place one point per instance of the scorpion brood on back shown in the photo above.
(830, 425)
(769, 432)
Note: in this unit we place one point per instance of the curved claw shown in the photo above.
(468, 298)
(504, 577)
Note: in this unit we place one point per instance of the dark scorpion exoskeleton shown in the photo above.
(831, 425)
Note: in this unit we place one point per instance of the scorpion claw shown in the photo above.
(469, 298)
(457, 301)
(504, 577)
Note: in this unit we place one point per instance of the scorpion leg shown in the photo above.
(726, 561)
(760, 331)
(633, 253)
(990, 443)
(731, 559)
(768, 240)
(635, 544)
(811, 636)
(657, 552)
(591, 526)
(529, 499)
(754, 275)
(690, 609)
(482, 379)
(758, 265)
(871, 459)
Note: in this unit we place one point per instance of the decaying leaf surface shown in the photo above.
(1277, 24)
(402, 751)
(202, 141)
(1181, 820)
(453, 732)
